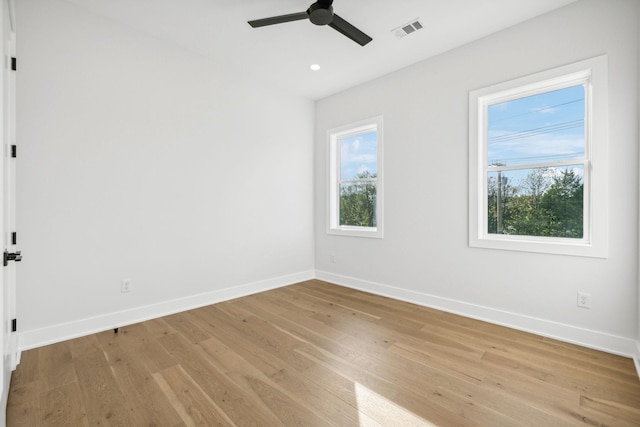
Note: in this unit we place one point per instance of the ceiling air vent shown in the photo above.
(408, 28)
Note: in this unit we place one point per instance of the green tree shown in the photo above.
(563, 204)
(358, 201)
(500, 192)
(525, 215)
(542, 204)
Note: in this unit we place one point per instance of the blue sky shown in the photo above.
(358, 153)
(538, 128)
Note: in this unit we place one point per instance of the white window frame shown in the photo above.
(333, 193)
(593, 74)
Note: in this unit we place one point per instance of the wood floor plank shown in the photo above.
(29, 369)
(384, 314)
(128, 336)
(83, 345)
(57, 368)
(192, 332)
(564, 405)
(311, 405)
(623, 414)
(242, 346)
(289, 378)
(158, 327)
(456, 362)
(139, 341)
(350, 383)
(360, 319)
(260, 334)
(317, 354)
(382, 306)
(608, 360)
(63, 407)
(104, 402)
(444, 388)
(288, 410)
(308, 331)
(256, 385)
(189, 400)
(266, 304)
(586, 383)
(23, 406)
(224, 392)
(541, 350)
(139, 388)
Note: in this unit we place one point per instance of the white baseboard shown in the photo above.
(87, 326)
(567, 333)
(572, 334)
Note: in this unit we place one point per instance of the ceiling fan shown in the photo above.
(319, 13)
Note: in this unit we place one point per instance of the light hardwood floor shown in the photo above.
(315, 354)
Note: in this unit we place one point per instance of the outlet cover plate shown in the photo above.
(584, 300)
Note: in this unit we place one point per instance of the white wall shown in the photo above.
(637, 353)
(424, 256)
(139, 160)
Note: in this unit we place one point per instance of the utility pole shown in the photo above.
(499, 207)
(500, 227)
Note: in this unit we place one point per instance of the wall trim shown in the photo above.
(65, 331)
(563, 332)
(560, 331)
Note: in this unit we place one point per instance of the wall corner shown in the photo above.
(636, 358)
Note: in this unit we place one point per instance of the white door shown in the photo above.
(8, 341)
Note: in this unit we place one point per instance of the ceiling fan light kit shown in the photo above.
(319, 13)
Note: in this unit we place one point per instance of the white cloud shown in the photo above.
(362, 169)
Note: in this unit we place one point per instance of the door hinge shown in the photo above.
(14, 151)
(11, 256)
(14, 64)
(14, 238)
(14, 325)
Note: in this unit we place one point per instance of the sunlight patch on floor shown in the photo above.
(384, 411)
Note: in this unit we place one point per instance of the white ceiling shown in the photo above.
(280, 55)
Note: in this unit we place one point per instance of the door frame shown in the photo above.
(8, 337)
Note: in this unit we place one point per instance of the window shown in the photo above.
(538, 162)
(355, 179)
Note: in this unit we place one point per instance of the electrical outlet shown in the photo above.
(125, 286)
(584, 300)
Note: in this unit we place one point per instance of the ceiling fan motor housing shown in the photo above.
(320, 14)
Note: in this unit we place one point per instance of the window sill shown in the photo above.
(370, 232)
(570, 247)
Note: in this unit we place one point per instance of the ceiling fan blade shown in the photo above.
(349, 30)
(279, 19)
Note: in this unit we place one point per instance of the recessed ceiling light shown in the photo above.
(314, 67)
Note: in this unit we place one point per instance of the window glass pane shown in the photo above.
(358, 156)
(358, 204)
(536, 202)
(540, 128)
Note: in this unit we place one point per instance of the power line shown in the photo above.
(537, 110)
(527, 133)
(558, 157)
